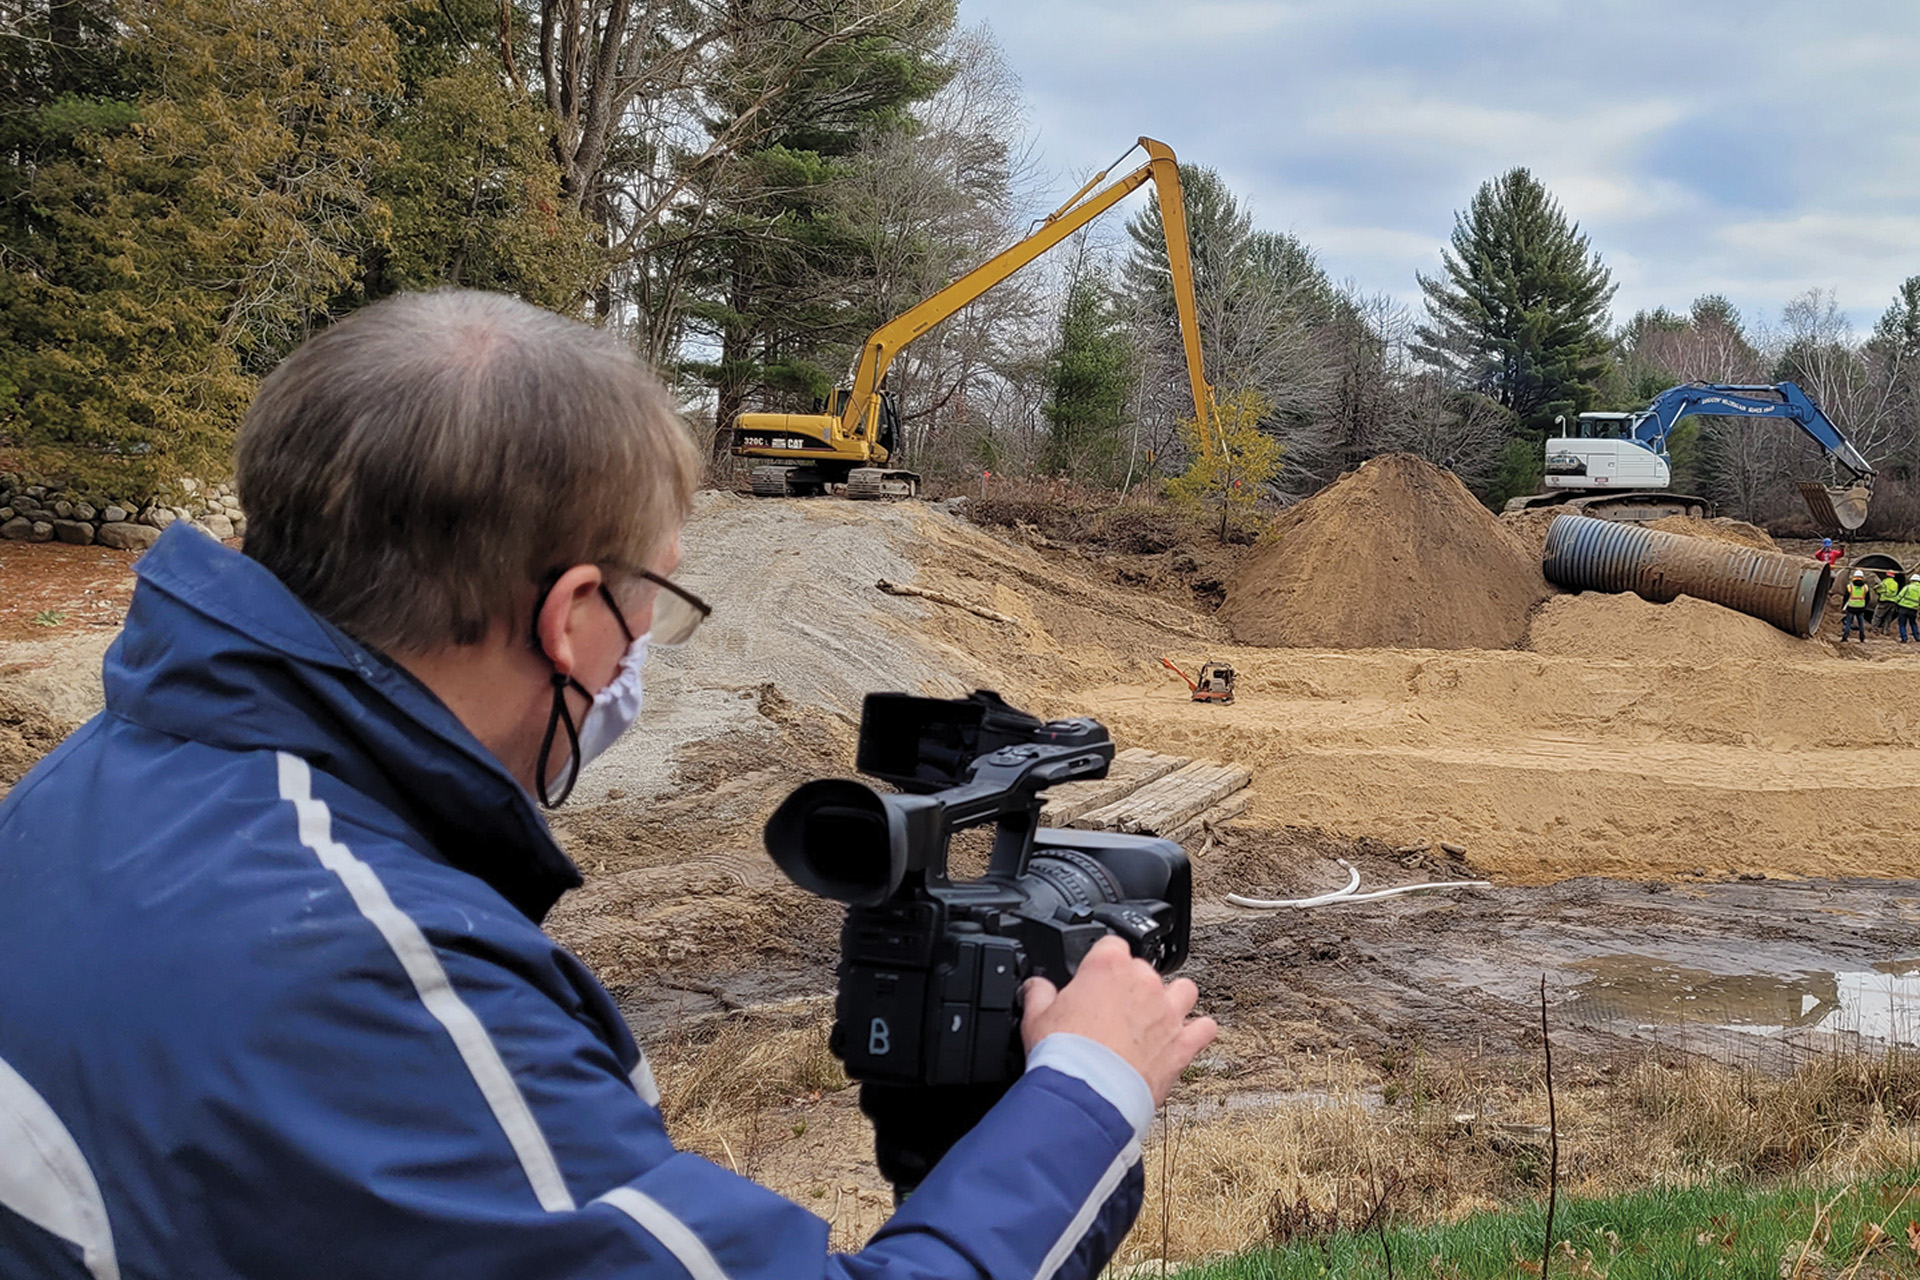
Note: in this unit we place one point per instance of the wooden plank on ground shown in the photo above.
(1171, 801)
(1131, 769)
(1232, 807)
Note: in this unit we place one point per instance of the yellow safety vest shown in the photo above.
(1889, 589)
(1857, 595)
(1909, 596)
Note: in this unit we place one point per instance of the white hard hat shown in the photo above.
(1859, 573)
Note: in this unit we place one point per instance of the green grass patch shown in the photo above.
(1724, 1231)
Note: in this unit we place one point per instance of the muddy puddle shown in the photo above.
(1627, 993)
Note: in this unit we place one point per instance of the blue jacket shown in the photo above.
(275, 1003)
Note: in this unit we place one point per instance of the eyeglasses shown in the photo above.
(677, 612)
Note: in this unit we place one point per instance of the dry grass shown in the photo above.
(720, 1081)
(1464, 1138)
(1842, 1114)
(1439, 1140)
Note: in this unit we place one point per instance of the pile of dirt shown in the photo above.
(1397, 554)
(1625, 628)
(1529, 528)
(1720, 529)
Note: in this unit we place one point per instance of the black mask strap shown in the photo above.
(560, 715)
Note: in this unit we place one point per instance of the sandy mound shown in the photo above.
(1720, 529)
(1395, 555)
(1529, 528)
(1625, 628)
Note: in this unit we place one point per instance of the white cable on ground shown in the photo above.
(1417, 888)
(1274, 904)
(1348, 895)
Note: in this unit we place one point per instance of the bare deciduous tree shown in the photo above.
(1822, 355)
(929, 204)
(649, 100)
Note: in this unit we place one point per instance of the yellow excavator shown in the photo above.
(846, 448)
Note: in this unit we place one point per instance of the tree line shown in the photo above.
(742, 187)
(745, 189)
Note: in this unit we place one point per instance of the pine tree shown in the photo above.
(780, 295)
(1251, 287)
(1087, 384)
(1265, 307)
(65, 80)
(1894, 352)
(1230, 472)
(475, 197)
(1219, 236)
(1899, 326)
(1519, 311)
(187, 238)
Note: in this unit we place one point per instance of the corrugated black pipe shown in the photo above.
(1882, 563)
(1584, 554)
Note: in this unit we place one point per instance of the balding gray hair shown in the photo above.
(415, 471)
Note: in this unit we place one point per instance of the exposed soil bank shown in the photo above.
(1624, 628)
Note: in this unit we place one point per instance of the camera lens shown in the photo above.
(839, 842)
(836, 838)
(1069, 879)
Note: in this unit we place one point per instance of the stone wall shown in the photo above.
(47, 513)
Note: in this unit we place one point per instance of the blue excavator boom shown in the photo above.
(1618, 462)
(1780, 400)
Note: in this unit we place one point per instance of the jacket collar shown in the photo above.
(217, 650)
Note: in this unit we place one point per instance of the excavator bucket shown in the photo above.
(1850, 505)
(1836, 508)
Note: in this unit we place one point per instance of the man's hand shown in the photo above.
(1122, 1003)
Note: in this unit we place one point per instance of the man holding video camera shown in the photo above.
(274, 999)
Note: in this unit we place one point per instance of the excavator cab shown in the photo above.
(886, 411)
(888, 435)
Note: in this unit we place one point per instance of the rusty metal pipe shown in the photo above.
(1584, 554)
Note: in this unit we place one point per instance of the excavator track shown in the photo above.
(878, 482)
(1625, 504)
(788, 482)
(770, 482)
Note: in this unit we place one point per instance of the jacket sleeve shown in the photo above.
(1047, 1185)
(426, 1102)
(1025, 1194)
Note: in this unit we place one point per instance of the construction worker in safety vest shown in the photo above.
(1908, 601)
(1858, 595)
(1885, 593)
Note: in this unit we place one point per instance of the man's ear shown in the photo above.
(564, 609)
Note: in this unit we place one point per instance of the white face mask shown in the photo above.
(615, 707)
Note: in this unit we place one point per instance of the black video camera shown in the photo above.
(928, 1013)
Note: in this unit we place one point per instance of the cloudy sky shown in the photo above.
(1753, 149)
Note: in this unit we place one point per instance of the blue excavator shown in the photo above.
(1616, 464)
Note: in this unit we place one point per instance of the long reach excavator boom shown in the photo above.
(853, 440)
